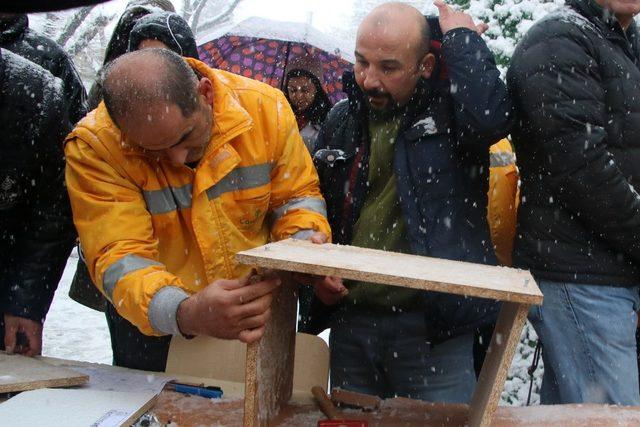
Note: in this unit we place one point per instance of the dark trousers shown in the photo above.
(389, 354)
(132, 349)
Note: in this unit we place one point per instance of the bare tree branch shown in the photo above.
(198, 11)
(187, 9)
(73, 24)
(218, 19)
(85, 38)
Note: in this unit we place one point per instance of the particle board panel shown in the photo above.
(21, 373)
(493, 375)
(270, 361)
(410, 271)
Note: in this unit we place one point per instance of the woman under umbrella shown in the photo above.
(307, 97)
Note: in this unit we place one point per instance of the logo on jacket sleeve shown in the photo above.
(426, 125)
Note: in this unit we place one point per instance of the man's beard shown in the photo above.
(373, 95)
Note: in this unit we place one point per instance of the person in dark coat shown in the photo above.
(575, 81)
(404, 166)
(119, 43)
(33, 6)
(17, 37)
(36, 229)
(164, 30)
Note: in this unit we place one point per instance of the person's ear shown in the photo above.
(427, 65)
(205, 89)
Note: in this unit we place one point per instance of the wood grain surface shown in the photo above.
(270, 361)
(390, 268)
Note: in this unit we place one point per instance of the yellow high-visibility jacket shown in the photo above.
(504, 196)
(153, 232)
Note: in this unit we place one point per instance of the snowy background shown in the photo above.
(75, 332)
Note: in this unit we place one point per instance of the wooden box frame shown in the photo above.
(268, 385)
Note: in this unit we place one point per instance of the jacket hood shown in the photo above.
(310, 64)
(13, 27)
(119, 41)
(169, 28)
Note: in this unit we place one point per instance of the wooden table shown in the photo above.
(194, 410)
(188, 410)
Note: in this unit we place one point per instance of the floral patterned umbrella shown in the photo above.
(261, 49)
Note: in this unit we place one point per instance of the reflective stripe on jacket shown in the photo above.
(153, 232)
(504, 197)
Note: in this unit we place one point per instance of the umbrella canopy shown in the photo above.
(262, 49)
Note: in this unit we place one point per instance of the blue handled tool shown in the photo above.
(210, 392)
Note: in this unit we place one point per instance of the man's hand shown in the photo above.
(22, 336)
(450, 19)
(330, 290)
(230, 309)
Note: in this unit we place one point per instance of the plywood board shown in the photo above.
(80, 407)
(493, 375)
(270, 361)
(224, 360)
(20, 373)
(410, 271)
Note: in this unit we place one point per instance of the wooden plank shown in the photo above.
(21, 373)
(270, 361)
(493, 375)
(410, 271)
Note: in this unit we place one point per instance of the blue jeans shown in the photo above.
(388, 355)
(589, 343)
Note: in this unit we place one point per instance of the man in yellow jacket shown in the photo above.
(180, 168)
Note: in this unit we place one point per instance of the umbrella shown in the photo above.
(261, 49)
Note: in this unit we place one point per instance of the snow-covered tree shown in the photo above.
(85, 32)
(508, 20)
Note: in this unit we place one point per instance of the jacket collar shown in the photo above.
(607, 22)
(11, 29)
(229, 117)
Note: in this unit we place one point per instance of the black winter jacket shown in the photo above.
(36, 229)
(16, 36)
(441, 163)
(576, 84)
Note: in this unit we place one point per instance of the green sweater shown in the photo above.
(380, 224)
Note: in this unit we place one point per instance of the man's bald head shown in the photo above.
(160, 104)
(392, 54)
(150, 77)
(405, 21)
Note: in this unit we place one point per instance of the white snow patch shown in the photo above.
(73, 331)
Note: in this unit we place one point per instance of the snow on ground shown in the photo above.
(73, 331)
